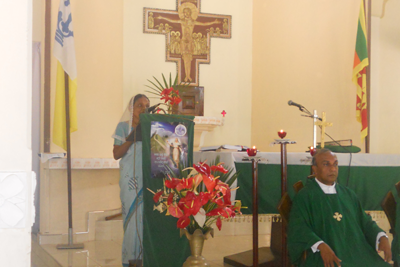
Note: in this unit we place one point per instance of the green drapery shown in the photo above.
(370, 184)
(162, 245)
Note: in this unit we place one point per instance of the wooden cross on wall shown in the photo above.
(323, 125)
(188, 35)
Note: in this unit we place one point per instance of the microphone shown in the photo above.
(291, 103)
(152, 108)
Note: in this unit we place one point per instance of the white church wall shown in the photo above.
(375, 61)
(15, 141)
(386, 128)
(303, 51)
(226, 81)
(38, 20)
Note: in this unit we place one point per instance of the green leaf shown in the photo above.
(154, 89)
(158, 83)
(170, 83)
(228, 177)
(158, 88)
(151, 92)
(176, 79)
(165, 82)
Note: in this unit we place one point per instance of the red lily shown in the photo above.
(165, 98)
(157, 196)
(172, 183)
(219, 223)
(185, 184)
(218, 200)
(204, 198)
(197, 180)
(167, 91)
(202, 168)
(215, 212)
(210, 182)
(219, 168)
(176, 100)
(183, 221)
(224, 211)
(191, 204)
(222, 187)
(175, 211)
(226, 192)
(170, 198)
(227, 197)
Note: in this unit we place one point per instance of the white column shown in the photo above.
(16, 203)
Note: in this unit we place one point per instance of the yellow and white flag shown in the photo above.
(64, 51)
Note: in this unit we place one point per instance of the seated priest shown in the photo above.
(328, 222)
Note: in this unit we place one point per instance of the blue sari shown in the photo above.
(131, 184)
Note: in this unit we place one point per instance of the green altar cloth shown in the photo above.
(370, 184)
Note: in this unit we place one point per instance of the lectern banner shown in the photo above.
(168, 147)
(167, 144)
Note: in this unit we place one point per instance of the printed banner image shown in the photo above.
(168, 146)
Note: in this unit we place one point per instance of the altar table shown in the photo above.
(370, 176)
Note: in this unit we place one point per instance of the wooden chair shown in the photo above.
(284, 206)
(389, 207)
(397, 185)
(298, 186)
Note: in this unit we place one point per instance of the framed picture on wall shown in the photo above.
(192, 100)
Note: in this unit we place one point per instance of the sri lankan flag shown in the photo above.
(359, 72)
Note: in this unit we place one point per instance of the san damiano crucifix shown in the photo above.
(188, 33)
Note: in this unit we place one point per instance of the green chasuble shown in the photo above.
(338, 220)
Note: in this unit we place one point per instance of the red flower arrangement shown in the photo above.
(166, 91)
(198, 200)
(170, 96)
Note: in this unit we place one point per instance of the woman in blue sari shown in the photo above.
(128, 148)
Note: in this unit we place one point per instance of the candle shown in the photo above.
(312, 151)
(282, 134)
(252, 151)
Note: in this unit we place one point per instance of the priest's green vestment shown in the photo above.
(338, 220)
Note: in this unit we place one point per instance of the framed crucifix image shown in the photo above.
(192, 100)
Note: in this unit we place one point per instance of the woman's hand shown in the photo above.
(120, 151)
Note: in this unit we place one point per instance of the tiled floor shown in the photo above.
(108, 253)
(235, 237)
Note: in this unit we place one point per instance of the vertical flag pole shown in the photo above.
(47, 76)
(368, 18)
(70, 244)
(64, 51)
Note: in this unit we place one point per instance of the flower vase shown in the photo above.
(174, 109)
(196, 241)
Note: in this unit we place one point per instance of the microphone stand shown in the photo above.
(315, 118)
